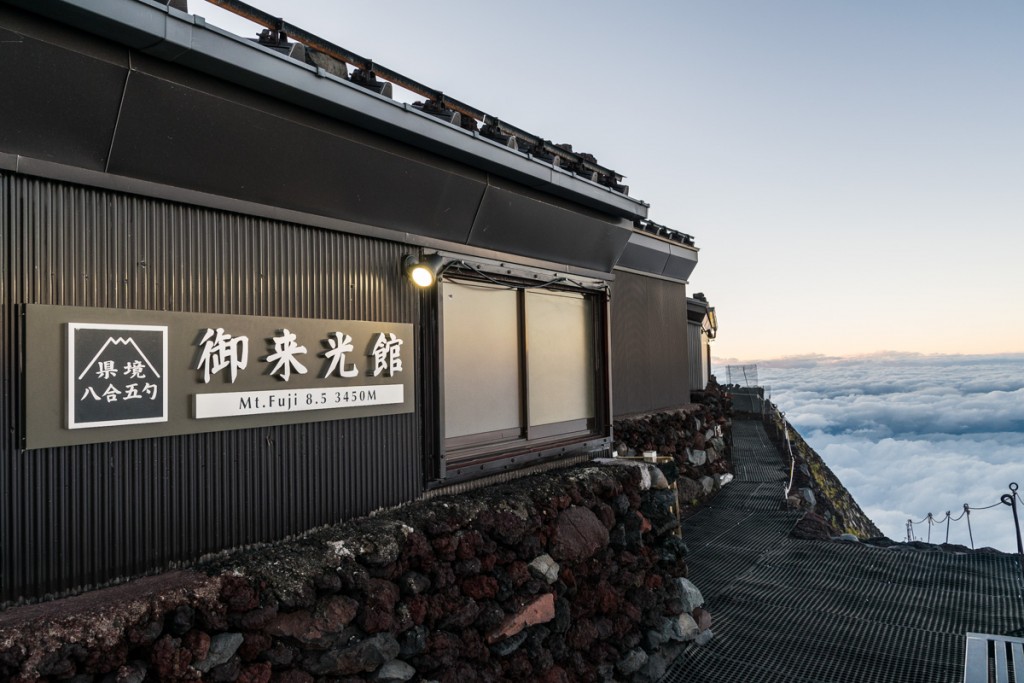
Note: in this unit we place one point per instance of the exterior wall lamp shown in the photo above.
(422, 271)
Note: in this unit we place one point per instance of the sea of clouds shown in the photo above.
(910, 434)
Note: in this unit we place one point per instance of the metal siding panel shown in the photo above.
(7, 493)
(705, 365)
(649, 345)
(694, 343)
(178, 135)
(89, 515)
(666, 336)
(60, 100)
(629, 367)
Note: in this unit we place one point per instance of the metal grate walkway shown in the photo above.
(789, 610)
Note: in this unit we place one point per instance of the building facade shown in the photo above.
(210, 334)
(702, 328)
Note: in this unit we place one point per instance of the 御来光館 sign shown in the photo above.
(99, 374)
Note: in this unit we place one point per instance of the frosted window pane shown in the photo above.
(560, 357)
(481, 359)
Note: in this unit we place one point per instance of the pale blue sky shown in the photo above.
(853, 171)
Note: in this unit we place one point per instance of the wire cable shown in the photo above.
(502, 283)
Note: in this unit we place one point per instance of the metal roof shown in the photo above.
(182, 38)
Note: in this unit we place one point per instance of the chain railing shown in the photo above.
(1009, 499)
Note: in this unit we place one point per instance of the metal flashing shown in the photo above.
(659, 258)
(681, 262)
(38, 168)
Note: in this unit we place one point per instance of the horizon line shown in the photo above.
(883, 354)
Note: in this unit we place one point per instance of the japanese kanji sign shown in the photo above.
(116, 374)
(135, 374)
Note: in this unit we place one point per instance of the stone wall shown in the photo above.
(574, 575)
(696, 439)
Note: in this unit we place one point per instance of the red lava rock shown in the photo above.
(518, 573)
(418, 551)
(442, 576)
(331, 616)
(622, 625)
(581, 634)
(645, 524)
(460, 673)
(253, 646)
(280, 655)
(255, 673)
(561, 502)
(473, 647)
(812, 527)
(555, 674)
(198, 643)
(480, 587)
(257, 619)
(417, 606)
(465, 613)
(170, 659)
(580, 534)
(238, 594)
(607, 598)
(103, 660)
(444, 647)
(298, 625)
(631, 612)
(439, 606)
(145, 634)
(538, 611)
(606, 514)
(445, 547)
(518, 666)
(213, 618)
(292, 676)
(487, 562)
(508, 527)
(339, 611)
(469, 545)
(377, 614)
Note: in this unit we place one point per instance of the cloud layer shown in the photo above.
(910, 434)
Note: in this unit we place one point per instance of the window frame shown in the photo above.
(473, 455)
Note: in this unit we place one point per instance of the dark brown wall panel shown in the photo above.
(173, 132)
(649, 347)
(60, 101)
(84, 516)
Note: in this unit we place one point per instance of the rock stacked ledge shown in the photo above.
(559, 577)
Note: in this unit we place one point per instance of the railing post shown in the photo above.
(1011, 500)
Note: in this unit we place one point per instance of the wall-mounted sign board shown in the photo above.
(97, 374)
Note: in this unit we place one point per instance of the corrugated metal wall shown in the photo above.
(699, 370)
(649, 348)
(74, 518)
